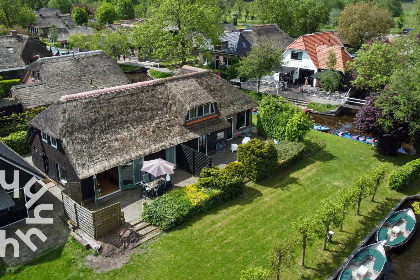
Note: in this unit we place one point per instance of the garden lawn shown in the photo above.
(410, 20)
(240, 234)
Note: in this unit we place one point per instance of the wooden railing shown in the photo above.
(95, 223)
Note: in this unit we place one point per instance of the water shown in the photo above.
(344, 122)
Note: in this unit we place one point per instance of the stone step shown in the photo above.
(150, 235)
(141, 226)
(135, 221)
(146, 230)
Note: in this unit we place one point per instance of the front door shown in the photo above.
(202, 144)
(230, 129)
(126, 175)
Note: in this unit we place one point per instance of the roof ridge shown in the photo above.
(98, 92)
(71, 55)
(28, 85)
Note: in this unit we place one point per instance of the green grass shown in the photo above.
(128, 68)
(410, 21)
(321, 107)
(254, 120)
(240, 234)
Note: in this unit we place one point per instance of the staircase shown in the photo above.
(296, 101)
(146, 230)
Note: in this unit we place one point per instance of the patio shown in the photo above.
(131, 201)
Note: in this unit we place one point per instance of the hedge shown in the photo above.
(15, 141)
(159, 75)
(260, 159)
(6, 85)
(402, 176)
(177, 206)
(289, 152)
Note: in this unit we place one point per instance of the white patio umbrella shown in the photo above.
(246, 140)
(158, 167)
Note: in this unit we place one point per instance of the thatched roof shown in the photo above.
(14, 51)
(235, 44)
(267, 33)
(47, 16)
(105, 128)
(68, 74)
(64, 34)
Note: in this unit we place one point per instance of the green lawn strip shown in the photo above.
(321, 107)
(229, 238)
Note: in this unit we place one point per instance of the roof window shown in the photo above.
(10, 49)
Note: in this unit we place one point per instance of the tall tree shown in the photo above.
(282, 257)
(14, 12)
(362, 187)
(176, 27)
(53, 33)
(401, 21)
(329, 216)
(346, 201)
(114, 43)
(377, 175)
(125, 9)
(79, 15)
(362, 21)
(106, 13)
(63, 5)
(262, 60)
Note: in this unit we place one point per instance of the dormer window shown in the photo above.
(35, 76)
(53, 142)
(44, 137)
(10, 49)
(297, 55)
(218, 48)
(200, 111)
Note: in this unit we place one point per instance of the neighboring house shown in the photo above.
(63, 23)
(14, 209)
(99, 139)
(267, 33)
(233, 45)
(46, 80)
(308, 55)
(16, 52)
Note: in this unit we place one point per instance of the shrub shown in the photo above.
(158, 74)
(16, 142)
(402, 176)
(289, 152)
(175, 207)
(256, 273)
(256, 95)
(260, 160)
(6, 85)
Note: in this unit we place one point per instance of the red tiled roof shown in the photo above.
(317, 45)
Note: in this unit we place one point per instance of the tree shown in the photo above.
(261, 60)
(53, 33)
(125, 9)
(377, 175)
(330, 80)
(79, 15)
(79, 40)
(346, 201)
(14, 12)
(307, 229)
(393, 6)
(362, 21)
(114, 43)
(63, 5)
(176, 28)
(401, 21)
(332, 18)
(329, 216)
(362, 187)
(282, 257)
(374, 64)
(106, 13)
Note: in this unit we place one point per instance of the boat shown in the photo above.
(367, 263)
(397, 229)
(321, 128)
(355, 137)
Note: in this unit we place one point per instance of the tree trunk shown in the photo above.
(374, 191)
(342, 221)
(303, 249)
(258, 84)
(358, 203)
(325, 238)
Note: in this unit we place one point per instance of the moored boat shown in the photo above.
(321, 128)
(397, 229)
(355, 137)
(367, 263)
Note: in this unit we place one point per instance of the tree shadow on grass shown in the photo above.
(368, 222)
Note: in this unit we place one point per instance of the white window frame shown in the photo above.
(59, 168)
(44, 137)
(297, 52)
(211, 112)
(53, 142)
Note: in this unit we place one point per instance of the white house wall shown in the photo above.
(305, 63)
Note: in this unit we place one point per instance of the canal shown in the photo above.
(343, 122)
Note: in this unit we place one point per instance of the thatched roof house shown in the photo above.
(17, 51)
(47, 79)
(104, 128)
(267, 33)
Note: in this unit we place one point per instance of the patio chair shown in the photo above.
(218, 148)
(146, 178)
(143, 192)
(152, 178)
(233, 147)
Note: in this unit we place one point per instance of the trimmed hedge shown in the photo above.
(289, 152)
(402, 176)
(215, 187)
(15, 141)
(5, 87)
(260, 159)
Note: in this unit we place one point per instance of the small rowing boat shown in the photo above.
(321, 128)
(351, 136)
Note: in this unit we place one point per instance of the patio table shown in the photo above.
(154, 184)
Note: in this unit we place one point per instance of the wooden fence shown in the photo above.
(95, 223)
(195, 160)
